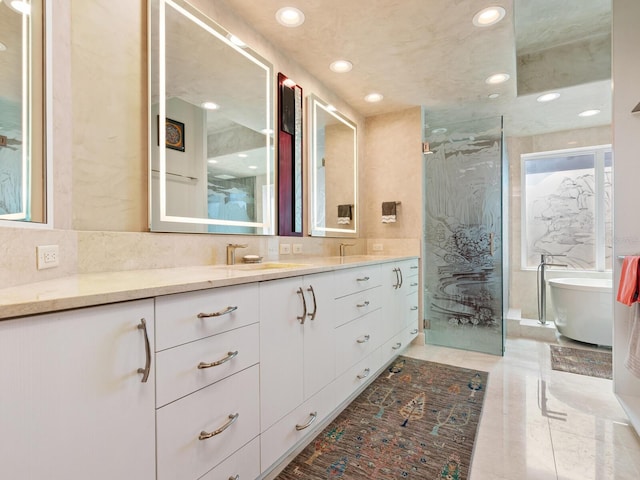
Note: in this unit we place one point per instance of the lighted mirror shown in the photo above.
(23, 185)
(334, 167)
(211, 136)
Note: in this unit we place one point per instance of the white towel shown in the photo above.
(633, 354)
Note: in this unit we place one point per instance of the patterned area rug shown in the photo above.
(417, 420)
(583, 362)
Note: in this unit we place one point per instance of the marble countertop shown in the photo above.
(92, 289)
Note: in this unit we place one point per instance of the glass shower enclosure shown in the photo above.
(465, 179)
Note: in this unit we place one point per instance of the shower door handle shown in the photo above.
(491, 235)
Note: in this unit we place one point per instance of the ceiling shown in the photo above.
(428, 53)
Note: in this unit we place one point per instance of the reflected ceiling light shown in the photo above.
(243, 155)
(289, 83)
(493, 95)
(548, 97)
(212, 161)
(210, 106)
(497, 78)
(224, 176)
(589, 113)
(3, 47)
(253, 167)
(266, 131)
(488, 16)
(236, 41)
(290, 17)
(373, 97)
(331, 108)
(20, 6)
(436, 131)
(341, 66)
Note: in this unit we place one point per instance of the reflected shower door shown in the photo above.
(463, 255)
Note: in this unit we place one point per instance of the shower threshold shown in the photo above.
(518, 327)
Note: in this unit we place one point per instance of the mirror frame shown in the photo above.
(202, 20)
(316, 104)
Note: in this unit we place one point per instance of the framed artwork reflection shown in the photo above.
(174, 134)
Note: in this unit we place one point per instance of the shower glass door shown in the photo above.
(462, 251)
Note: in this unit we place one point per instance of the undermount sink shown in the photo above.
(267, 266)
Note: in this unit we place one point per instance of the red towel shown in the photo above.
(628, 288)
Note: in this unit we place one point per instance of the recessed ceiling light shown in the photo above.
(20, 6)
(497, 78)
(493, 95)
(3, 47)
(253, 167)
(289, 83)
(236, 41)
(373, 97)
(589, 113)
(224, 176)
(212, 161)
(290, 17)
(439, 130)
(488, 16)
(548, 97)
(210, 106)
(243, 155)
(341, 66)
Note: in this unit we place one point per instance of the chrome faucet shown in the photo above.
(231, 252)
(342, 247)
(542, 286)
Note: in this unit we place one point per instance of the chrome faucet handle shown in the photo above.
(238, 245)
(231, 251)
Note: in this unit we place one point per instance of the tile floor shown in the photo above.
(539, 423)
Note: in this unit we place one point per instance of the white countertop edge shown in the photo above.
(91, 289)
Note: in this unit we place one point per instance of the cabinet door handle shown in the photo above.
(229, 356)
(364, 374)
(397, 346)
(362, 305)
(232, 418)
(312, 315)
(362, 279)
(414, 308)
(414, 331)
(397, 284)
(304, 306)
(364, 339)
(218, 314)
(401, 279)
(147, 350)
(313, 415)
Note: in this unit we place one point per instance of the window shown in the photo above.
(566, 207)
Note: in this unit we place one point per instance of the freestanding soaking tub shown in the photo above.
(583, 308)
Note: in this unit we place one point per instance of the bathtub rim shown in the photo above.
(604, 285)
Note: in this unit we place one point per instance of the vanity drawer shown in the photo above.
(283, 435)
(356, 279)
(358, 375)
(244, 464)
(411, 310)
(177, 372)
(177, 320)
(180, 452)
(357, 339)
(356, 305)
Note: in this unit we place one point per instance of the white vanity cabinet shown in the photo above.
(400, 289)
(72, 401)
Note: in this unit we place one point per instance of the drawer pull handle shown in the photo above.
(364, 374)
(364, 339)
(363, 279)
(397, 346)
(313, 415)
(414, 308)
(229, 356)
(414, 331)
(414, 284)
(312, 315)
(218, 314)
(304, 306)
(147, 351)
(413, 267)
(204, 435)
(362, 305)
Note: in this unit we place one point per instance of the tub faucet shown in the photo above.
(231, 252)
(342, 247)
(542, 286)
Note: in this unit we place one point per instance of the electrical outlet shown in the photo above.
(47, 256)
(297, 248)
(377, 247)
(285, 249)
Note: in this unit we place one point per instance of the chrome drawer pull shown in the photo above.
(362, 305)
(364, 374)
(237, 477)
(218, 314)
(304, 307)
(312, 315)
(229, 356)
(147, 350)
(413, 284)
(397, 346)
(365, 339)
(401, 279)
(363, 279)
(414, 331)
(414, 308)
(314, 415)
(413, 267)
(204, 435)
